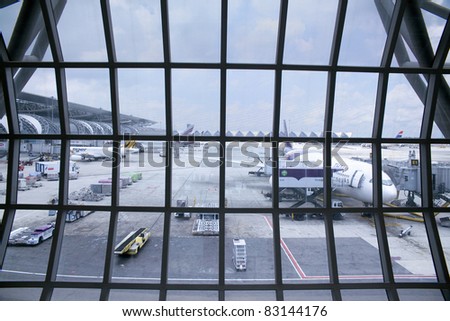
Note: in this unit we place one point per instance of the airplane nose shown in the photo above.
(389, 193)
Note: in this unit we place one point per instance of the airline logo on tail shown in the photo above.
(400, 134)
(130, 144)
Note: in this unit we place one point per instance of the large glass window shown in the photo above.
(237, 150)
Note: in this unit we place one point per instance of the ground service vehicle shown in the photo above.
(182, 203)
(24, 236)
(72, 215)
(239, 254)
(133, 242)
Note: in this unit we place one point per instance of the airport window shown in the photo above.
(224, 150)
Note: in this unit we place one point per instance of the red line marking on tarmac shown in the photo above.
(289, 254)
(302, 274)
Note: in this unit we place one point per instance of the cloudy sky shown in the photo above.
(252, 31)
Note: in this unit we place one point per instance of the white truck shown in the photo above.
(50, 170)
(26, 236)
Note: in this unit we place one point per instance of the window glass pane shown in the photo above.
(357, 253)
(435, 26)
(404, 108)
(420, 295)
(20, 294)
(364, 295)
(3, 169)
(252, 30)
(250, 295)
(142, 101)
(37, 102)
(440, 171)
(142, 172)
(352, 179)
(91, 172)
(86, 42)
(249, 249)
(3, 117)
(242, 189)
(8, 20)
(409, 249)
(137, 30)
(303, 98)
(90, 113)
(440, 181)
(31, 44)
(304, 248)
(138, 243)
(440, 125)
(195, 174)
(300, 174)
(354, 104)
(364, 36)
(84, 246)
(194, 30)
(401, 162)
(39, 167)
(133, 295)
(173, 295)
(193, 258)
(309, 31)
(249, 102)
(304, 295)
(63, 294)
(29, 246)
(196, 99)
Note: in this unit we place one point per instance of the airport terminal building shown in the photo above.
(222, 150)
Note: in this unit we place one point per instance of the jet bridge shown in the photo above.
(406, 177)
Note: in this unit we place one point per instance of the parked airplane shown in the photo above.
(350, 177)
(188, 131)
(90, 153)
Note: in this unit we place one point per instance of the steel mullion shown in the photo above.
(7, 83)
(328, 123)
(115, 111)
(222, 142)
(169, 135)
(58, 235)
(392, 29)
(275, 135)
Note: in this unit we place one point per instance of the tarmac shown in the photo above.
(194, 259)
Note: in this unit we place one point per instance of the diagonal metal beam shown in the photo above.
(328, 123)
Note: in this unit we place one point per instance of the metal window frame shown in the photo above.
(393, 23)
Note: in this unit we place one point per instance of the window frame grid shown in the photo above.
(384, 70)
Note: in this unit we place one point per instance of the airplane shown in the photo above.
(399, 135)
(177, 144)
(188, 131)
(90, 153)
(352, 178)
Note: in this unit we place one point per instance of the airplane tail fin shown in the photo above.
(400, 134)
(285, 128)
(130, 144)
(188, 131)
